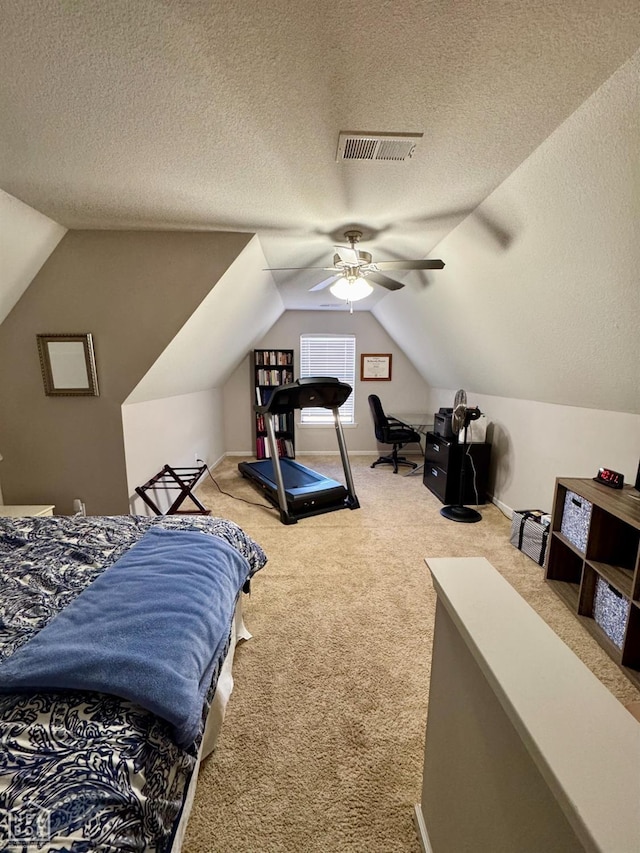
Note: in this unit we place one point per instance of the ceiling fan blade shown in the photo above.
(349, 256)
(429, 264)
(385, 281)
(325, 283)
(282, 269)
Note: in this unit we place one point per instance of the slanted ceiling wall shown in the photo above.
(537, 312)
(133, 291)
(27, 238)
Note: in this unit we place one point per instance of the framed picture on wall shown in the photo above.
(375, 367)
(68, 365)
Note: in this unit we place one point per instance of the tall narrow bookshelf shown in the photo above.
(272, 367)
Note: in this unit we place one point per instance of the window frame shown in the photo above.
(323, 417)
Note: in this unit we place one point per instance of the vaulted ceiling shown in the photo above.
(200, 115)
(226, 115)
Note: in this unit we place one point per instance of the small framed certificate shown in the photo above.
(375, 367)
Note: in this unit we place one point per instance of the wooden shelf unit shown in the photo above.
(270, 368)
(608, 561)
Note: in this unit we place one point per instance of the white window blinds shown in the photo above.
(329, 355)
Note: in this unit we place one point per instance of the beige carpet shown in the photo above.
(322, 747)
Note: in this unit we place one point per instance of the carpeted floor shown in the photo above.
(322, 746)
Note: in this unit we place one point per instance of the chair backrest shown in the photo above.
(380, 420)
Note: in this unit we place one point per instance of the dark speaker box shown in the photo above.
(442, 425)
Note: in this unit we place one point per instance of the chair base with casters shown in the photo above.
(394, 459)
(390, 430)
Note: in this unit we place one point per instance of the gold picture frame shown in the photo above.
(68, 365)
(375, 367)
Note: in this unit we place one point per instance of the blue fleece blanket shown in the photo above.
(150, 629)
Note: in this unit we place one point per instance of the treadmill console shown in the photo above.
(322, 391)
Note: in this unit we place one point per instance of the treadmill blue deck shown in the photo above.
(299, 482)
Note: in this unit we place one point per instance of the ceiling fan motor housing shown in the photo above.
(364, 259)
(354, 264)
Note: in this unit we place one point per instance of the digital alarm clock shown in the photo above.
(609, 478)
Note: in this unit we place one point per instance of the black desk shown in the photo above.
(422, 424)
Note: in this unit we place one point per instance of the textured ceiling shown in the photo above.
(209, 115)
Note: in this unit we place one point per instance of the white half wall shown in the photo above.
(533, 443)
(173, 430)
(27, 238)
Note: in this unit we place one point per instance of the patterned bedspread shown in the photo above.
(82, 771)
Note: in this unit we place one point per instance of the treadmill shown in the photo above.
(297, 491)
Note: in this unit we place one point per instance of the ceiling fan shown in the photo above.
(352, 264)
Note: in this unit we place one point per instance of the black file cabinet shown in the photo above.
(442, 460)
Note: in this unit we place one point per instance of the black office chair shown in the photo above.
(390, 430)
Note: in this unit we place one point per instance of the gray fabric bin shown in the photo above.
(610, 611)
(576, 516)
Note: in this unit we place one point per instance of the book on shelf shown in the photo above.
(263, 395)
(284, 445)
(275, 357)
(280, 423)
(276, 376)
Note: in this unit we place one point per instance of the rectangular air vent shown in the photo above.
(386, 147)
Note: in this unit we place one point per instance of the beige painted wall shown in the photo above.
(239, 310)
(407, 391)
(133, 291)
(533, 443)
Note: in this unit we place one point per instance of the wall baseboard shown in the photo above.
(506, 510)
(307, 453)
(217, 462)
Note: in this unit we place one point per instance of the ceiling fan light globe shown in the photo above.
(351, 289)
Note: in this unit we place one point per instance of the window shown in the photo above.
(329, 355)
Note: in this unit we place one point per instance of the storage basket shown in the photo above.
(529, 534)
(610, 611)
(576, 516)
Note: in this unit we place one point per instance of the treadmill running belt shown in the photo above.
(295, 476)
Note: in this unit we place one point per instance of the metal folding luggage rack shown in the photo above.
(170, 479)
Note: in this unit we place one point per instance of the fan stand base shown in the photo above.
(461, 513)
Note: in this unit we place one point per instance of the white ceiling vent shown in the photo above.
(389, 147)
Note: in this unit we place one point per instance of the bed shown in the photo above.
(86, 768)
